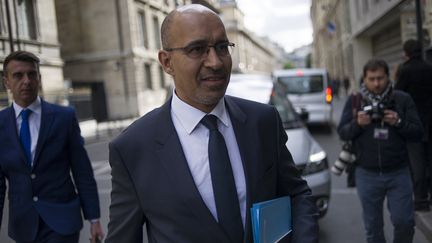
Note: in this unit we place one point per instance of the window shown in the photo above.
(2, 19)
(302, 84)
(162, 77)
(143, 39)
(4, 101)
(26, 14)
(156, 31)
(357, 7)
(147, 70)
(365, 6)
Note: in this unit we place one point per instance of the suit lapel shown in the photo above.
(47, 118)
(174, 162)
(11, 130)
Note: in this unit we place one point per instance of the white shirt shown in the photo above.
(34, 122)
(194, 138)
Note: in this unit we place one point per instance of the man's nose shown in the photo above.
(212, 59)
(26, 78)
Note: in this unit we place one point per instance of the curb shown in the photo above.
(424, 223)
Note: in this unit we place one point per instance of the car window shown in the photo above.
(285, 110)
(302, 84)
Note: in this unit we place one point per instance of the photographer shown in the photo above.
(386, 120)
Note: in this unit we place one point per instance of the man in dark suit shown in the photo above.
(414, 76)
(40, 146)
(163, 166)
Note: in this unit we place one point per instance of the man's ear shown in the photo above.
(165, 61)
(5, 82)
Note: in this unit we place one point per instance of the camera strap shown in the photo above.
(355, 103)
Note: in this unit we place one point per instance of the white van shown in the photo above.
(309, 90)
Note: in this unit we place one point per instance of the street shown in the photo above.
(342, 223)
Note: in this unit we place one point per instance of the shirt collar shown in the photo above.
(189, 116)
(35, 107)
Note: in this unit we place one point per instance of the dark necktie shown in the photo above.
(224, 189)
(25, 136)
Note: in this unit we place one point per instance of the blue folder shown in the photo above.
(271, 220)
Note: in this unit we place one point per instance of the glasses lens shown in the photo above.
(224, 49)
(195, 51)
(199, 50)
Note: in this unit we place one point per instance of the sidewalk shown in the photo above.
(93, 131)
(424, 223)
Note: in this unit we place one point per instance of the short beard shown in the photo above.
(212, 100)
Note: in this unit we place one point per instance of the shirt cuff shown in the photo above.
(93, 221)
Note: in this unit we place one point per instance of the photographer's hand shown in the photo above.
(391, 117)
(363, 118)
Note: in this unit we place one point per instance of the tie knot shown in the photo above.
(210, 121)
(25, 114)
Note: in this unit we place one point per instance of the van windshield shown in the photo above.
(302, 84)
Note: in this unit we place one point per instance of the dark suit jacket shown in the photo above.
(415, 77)
(152, 184)
(46, 190)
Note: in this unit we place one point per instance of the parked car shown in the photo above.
(308, 155)
(310, 90)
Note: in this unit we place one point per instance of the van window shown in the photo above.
(302, 84)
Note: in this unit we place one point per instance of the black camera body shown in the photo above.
(375, 109)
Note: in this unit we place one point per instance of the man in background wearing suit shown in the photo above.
(414, 76)
(163, 170)
(40, 145)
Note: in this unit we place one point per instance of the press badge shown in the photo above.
(381, 133)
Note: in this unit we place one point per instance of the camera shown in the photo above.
(346, 156)
(375, 109)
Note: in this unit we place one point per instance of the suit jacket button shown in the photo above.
(35, 199)
(33, 176)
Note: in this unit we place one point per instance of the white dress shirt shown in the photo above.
(34, 122)
(194, 138)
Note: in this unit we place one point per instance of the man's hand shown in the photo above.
(363, 118)
(391, 117)
(96, 232)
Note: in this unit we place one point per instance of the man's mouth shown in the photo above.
(213, 78)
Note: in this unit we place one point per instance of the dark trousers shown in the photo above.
(395, 186)
(46, 235)
(421, 169)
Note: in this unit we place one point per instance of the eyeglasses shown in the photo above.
(200, 50)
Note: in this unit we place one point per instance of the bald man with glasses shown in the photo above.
(191, 170)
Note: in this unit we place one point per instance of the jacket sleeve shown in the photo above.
(348, 129)
(125, 215)
(82, 171)
(304, 211)
(2, 193)
(401, 79)
(411, 127)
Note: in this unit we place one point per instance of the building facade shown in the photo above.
(110, 52)
(252, 54)
(377, 29)
(31, 25)
(332, 40)
(110, 49)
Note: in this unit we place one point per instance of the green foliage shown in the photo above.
(288, 65)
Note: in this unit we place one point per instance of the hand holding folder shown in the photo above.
(271, 220)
